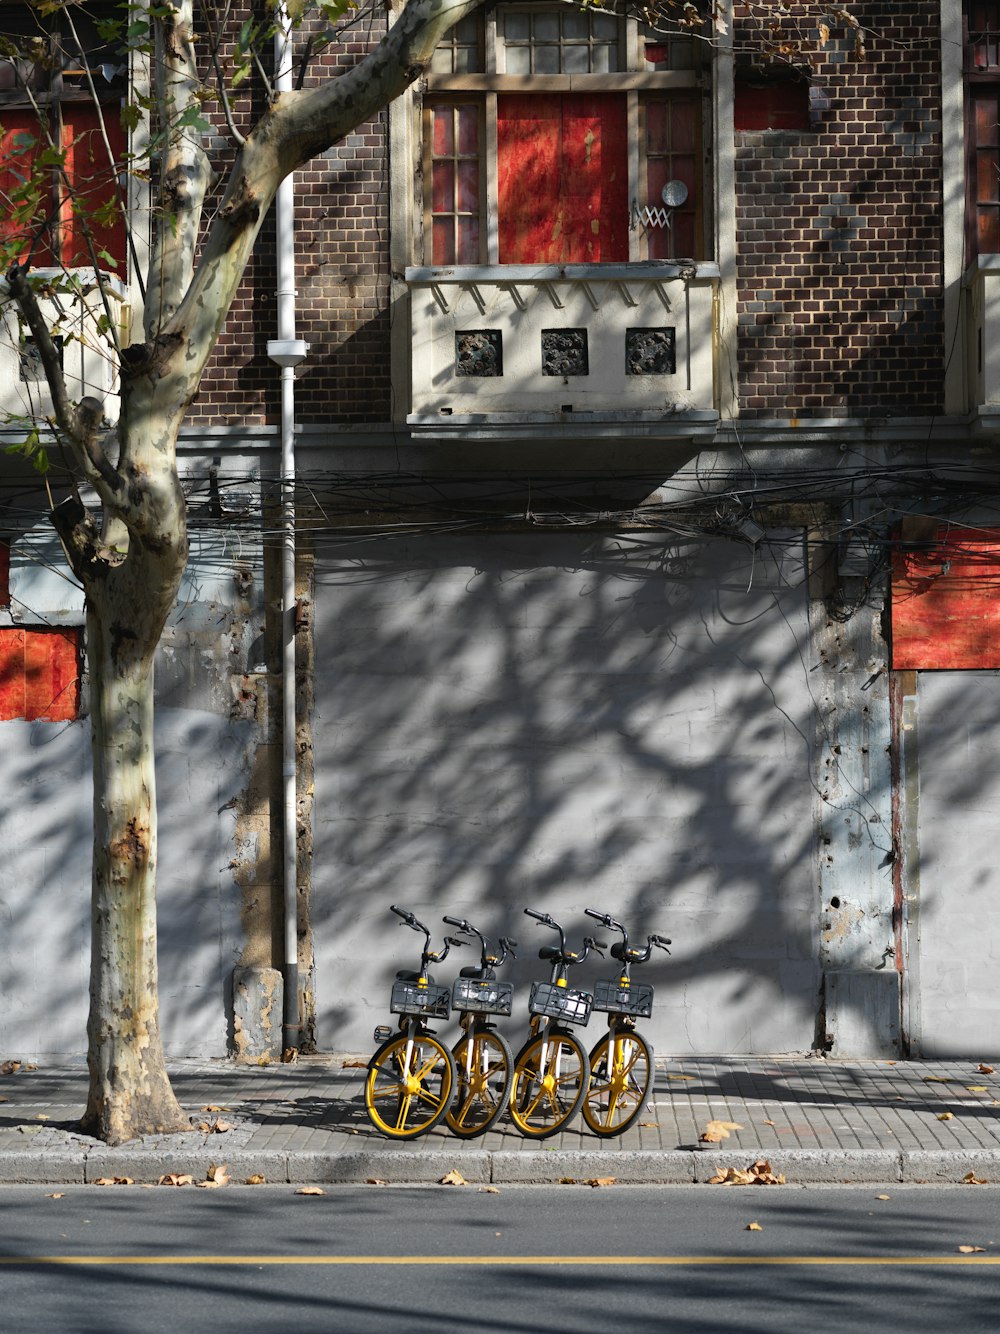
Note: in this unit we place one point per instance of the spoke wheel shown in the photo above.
(483, 1065)
(621, 1072)
(409, 1085)
(549, 1084)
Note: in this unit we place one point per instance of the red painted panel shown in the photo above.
(94, 177)
(15, 167)
(562, 179)
(771, 106)
(39, 674)
(946, 603)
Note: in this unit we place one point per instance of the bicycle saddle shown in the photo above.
(411, 975)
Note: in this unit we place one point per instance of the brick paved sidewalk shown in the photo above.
(813, 1119)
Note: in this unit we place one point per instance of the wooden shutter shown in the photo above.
(562, 179)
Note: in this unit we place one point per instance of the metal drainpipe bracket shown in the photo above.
(287, 351)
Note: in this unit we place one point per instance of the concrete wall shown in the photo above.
(207, 729)
(564, 720)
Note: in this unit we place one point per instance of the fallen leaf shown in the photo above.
(716, 1131)
(211, 1107)
(176, 1179)
(453, 1178)
(221, 1127)
(354, 1065)
(883, 1197)
(971, 1250)
(265, 1059)
(290, 1055)
(489, 1190)
(375, 1181)
(41, 1117)
(602, 1181)
(769, 1123)
(970, 1179)
(310, 1190)
(757, 1174)
(56, 1195)
(984, 1069)
(753, 1227)
(114, 1181)
(567, 1181)
(10, 1067)
(649, 1125)
(680, 1077)
(256, 1180)
(977, 1088)
(946, 1116)
(4, 1099)
(218, 1173)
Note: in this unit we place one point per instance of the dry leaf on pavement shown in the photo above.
(946, 1116)
(56, 1195)
(256, 1180)
(716, 1131)
(757, 1174)
(176, 1179)
(882, 1197)
(10, 1067)
(310, 1190)
(114, 1181)
(602, 1181)
(215, 1176)
(984, 1069)
(971, 1250)
(488, 1190)
(375, 1181)
(453, 1178)
(970, 1179)
(753, 1227)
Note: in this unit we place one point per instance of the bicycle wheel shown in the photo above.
(409, 1085)
(483, 1065)
(549, 1083)
(621, 1071)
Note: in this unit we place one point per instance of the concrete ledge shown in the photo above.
(938, 1165)
(662, 1167)
(148, 1165)
(385, 1164)
(24, 1167)
(808, 1165)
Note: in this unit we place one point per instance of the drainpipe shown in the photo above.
(287, 351)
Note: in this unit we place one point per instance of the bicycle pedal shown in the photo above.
(383, 1033)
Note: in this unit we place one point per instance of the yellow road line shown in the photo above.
(485, 1261)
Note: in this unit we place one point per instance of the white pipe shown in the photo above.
(287, 352)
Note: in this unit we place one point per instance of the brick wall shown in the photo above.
(839, 232)
(341, 221)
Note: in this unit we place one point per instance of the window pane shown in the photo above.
(518, 59)
(545, 28)
(443, 140)
(546, 60)
(468, 241)
(605, 27)
(576, 26)
(605, 59)
(468, 128)
(443, 187)
(516, 28)
(467, 199)
(576, 60)
(444, 241)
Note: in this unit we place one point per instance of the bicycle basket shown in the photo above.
(431, 1001)
(636, 1000)
(572, 1007)
(476, 995)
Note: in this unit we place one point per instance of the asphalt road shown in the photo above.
(570, 1259)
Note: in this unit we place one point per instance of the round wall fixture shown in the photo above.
(674, 194)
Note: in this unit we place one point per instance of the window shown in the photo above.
(81, 144)
(982, 79)
(549, 135)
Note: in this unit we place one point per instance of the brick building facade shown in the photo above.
(609, 496)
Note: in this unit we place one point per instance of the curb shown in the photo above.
(505, 1167)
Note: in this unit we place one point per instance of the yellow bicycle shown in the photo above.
(621, 1064)
(411, 1077)
(552, 1069)
(483, 1060)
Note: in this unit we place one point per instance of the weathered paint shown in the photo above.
(562, 178)
(39, 674)
(562, 721)
(946, 601)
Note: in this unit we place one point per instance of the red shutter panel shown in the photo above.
(39, 674)
(562, 179)
(946, 603)
(93, 174)
(16, 128)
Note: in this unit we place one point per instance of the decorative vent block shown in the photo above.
(650, 352)
(564, 352)
(479, 352)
